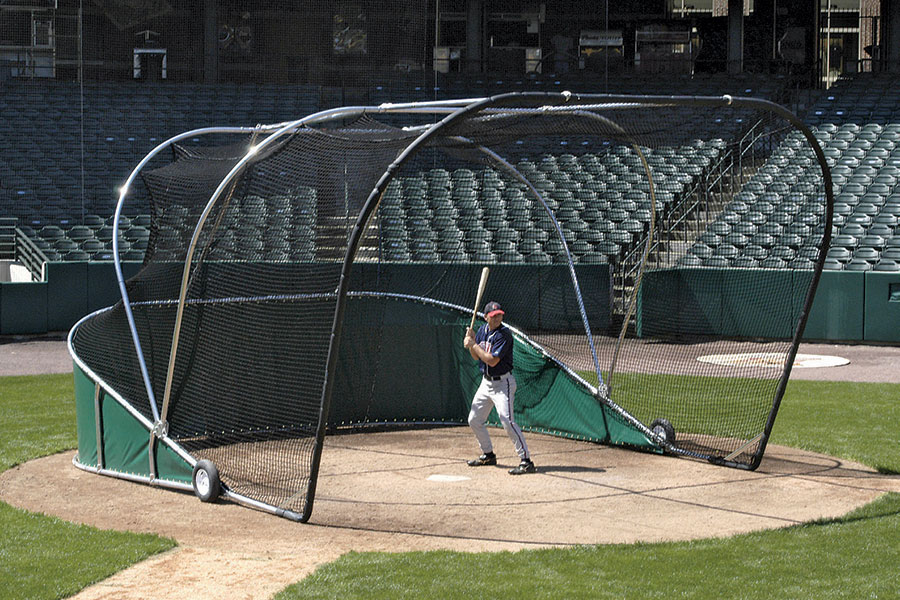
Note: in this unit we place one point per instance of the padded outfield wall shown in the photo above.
(853, 307)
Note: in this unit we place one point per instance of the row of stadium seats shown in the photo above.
(64, 157)
(775, 217)
(68, 147)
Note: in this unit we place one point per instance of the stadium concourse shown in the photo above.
(369, 500)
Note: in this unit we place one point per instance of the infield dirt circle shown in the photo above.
(411, 490)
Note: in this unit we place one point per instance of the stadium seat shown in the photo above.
(75, 256)
(744, 262)
(872, 241)
(690, 260)
(773, 262)
(887, 266)
(857, 264)
(840, 254)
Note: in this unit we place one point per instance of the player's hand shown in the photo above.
(469, 339)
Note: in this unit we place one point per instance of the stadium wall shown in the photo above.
(69, 291)
(852, 307)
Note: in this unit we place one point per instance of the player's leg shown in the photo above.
(478, 415)
(503, 396)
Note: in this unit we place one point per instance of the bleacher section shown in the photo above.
(602, 202)
(48, 177)
(66, 208)
(771, 220)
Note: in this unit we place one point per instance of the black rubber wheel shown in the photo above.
(206, 481)
(664, 430)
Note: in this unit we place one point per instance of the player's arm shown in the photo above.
(477, 352)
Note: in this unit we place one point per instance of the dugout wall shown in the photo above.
(316, 274)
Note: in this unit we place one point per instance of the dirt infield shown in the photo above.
(398, 491)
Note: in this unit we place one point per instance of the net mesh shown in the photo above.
(690, 230)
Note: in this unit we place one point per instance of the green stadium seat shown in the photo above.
(858, 265)
(93, 245)
(75, 256)
(51, 233)
(867, 254)
(511, 257)
(891, 253)
(94, 221)
(716, 261)
(840, 253)
(701, 250)
(785, 253)
(609, 248)
(139, 221)
(755, 251)
(592, 258)
(773, 262)
(887, 266)
(832, 264)
(689, 260)
(727, 251)
(745, 262)
(622, 238)
(872, 241)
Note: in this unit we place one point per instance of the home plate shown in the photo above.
(773, 359)
(448, 478)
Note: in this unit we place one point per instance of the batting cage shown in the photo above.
(317, 277)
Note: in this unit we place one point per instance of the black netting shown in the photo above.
(726, 204)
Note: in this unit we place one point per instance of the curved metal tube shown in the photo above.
(123, 192)
(536, 193)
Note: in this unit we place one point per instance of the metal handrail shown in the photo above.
(721, 169)
(32, 257)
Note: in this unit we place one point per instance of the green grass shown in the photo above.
(41, 556)
(857, 421)
(37, 417)
(851, 557)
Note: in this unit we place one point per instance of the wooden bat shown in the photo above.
(481, 285)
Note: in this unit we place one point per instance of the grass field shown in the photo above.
(44, 557)
(850, 557)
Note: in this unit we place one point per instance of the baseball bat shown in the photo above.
(481, 285)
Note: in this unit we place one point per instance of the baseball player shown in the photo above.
(492, 347)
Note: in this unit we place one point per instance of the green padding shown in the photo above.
(170, 466)
(23, 308)
(545, 297)
(85, 421)
(837, 309)
(397, 363)
(125, 439)
(67, 294)
(415, 368)
(102, 285)
(882, 316)
(548, 399)
(721, 302)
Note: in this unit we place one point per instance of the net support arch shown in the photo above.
(410, 142)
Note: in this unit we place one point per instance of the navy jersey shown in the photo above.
(498, 342)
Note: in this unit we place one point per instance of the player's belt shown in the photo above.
(495, 377)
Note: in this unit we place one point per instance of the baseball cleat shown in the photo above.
(526, 466)
(483, 460)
